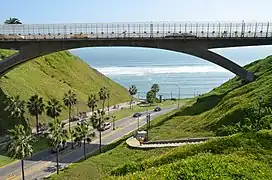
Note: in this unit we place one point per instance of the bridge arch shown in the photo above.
(28, 51)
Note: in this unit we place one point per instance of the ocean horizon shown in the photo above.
(171, 70)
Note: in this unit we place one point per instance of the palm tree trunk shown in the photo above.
(37, 123)
(69, 114)
(58, 159)
(23, 172)
(84, 148)
(100, 149)
(130, 102)
(108, 106)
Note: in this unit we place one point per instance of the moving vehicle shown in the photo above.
(137, 114)
(106, 126)
(180, 35)
(157, 109)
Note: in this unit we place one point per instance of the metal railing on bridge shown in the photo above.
(136, 30)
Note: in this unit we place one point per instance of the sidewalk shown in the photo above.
(134, 143)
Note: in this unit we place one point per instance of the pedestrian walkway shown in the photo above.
(134, 143)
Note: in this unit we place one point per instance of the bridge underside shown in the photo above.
(31, 50)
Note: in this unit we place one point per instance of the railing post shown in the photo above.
(196, 29)
(230, 29)
(219, 30)
(163, 30)
(267, 29)
(128, 31)
(255, 30)
(208, 28)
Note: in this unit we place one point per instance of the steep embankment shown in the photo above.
(225, 105)
(241, 156)
(51, 76)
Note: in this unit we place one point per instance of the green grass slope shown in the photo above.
(224, 105)
(51, 76)
(241, 156)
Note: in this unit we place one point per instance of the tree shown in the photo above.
(57, 137)
(132, 91)
(103, 96)
(155, 87)
(16, 107)
(2, 56)
(97, 121)
(150, 97)
(21, 145)
(69, 100)
(35, 107)
(53, 109)
(108, 97)
(83, 133)
(12, 21)
(92, 102)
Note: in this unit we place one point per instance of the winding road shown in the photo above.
(44, 163)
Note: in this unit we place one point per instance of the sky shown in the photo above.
(91, 11)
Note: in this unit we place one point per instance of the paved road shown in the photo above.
(111, 109)
(43, 164)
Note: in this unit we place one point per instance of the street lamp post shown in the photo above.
(113, 122)
(178, 94)
(138, 123)
(147, 124)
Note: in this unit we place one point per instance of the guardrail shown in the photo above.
(137, 30)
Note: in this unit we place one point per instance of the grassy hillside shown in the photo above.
(51, 76)
(241, 156)
(225, 105)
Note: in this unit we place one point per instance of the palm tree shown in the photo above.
(103, 96)
(132, 91)
(57, 136)
(53, 109)
(2, 56)
(92, 102)
(69, 100)
(155, 88)
(108, 97)
(35, 107)
(97, 120)
(12, 21)
(72, 135)
(83, 134)
(21, 145)
(16, 107)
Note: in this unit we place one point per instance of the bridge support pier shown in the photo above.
(221, 61)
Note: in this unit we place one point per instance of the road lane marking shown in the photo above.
(37, 166)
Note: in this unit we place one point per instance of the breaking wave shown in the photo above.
(142, 71)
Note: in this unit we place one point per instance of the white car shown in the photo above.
(106, 126)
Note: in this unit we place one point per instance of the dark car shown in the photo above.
(157, 109)
(137, 114)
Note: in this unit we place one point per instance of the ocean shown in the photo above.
(174, 72)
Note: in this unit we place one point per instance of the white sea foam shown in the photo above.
(141, 71)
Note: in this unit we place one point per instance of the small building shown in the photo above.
(141, 134)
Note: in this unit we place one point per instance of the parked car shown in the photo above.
(137, 114)
(157, 109)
